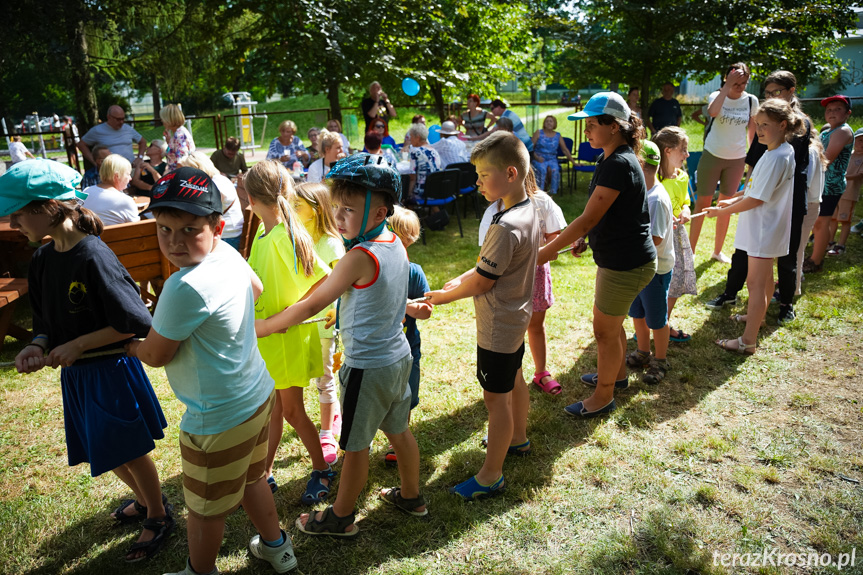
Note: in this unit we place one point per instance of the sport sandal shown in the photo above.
(121, 518)
(472, 489)
(162, 528)
(393, 496)
(742, 348)
(552, 387)
(316, 491)
(329, 524)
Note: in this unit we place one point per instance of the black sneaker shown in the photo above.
(786, 314)
(721, 301)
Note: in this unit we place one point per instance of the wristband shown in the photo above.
(36, 345)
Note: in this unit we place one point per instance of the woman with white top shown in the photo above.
(107, 200)
(729, 130)
(331, 152)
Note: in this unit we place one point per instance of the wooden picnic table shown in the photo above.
(11, 289)
(14, 249)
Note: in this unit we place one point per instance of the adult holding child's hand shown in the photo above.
(617, 223)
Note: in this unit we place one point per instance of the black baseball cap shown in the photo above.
(189, 190)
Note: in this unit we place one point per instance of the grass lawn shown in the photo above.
(727, 455)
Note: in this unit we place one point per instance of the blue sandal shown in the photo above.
(520, 450)
(472, 489)
(316, 491)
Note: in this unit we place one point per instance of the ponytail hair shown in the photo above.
(815, 144)
(632, 131)
(669, 137)
(269, 183)
(781, 111)
(84, 220)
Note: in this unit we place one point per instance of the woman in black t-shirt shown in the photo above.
(617, 223)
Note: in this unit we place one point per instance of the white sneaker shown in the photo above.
(281, 558)
(857, 228)
(720, 257)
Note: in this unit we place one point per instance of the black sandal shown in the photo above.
(329, 524)
(393, 495)
(162, 528)
(123, 519)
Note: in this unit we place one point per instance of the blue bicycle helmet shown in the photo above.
(375, 174)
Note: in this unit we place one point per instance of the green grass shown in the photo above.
(729, 454)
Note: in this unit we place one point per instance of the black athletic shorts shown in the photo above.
(496, 371)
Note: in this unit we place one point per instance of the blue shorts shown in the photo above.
(111, 413)
(652, 302)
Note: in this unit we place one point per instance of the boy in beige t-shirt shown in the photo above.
(501, 285)
(848, 201)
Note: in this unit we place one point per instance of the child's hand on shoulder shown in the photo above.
(30, 359)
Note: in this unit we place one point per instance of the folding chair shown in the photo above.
(441, 189)
(467, 185)
(586, 159)
(563, 161)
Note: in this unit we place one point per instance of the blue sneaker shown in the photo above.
(473, 489)
(591, 378)
(578, 410)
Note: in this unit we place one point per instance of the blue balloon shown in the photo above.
(434, 134)
(410, 87)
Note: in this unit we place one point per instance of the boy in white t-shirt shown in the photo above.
(649, 311)
(204, 334)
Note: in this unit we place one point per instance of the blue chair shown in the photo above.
(563, 161)
(586, 159)
(441, 189)
(692, 169)
(467, 185)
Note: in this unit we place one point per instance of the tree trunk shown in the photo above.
(436, 90)
(333, 98)
(157, 101)
(79, 67)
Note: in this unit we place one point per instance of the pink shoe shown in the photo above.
(337, 425)
(330, 449)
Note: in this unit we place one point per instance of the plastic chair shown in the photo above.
(692, 168)
(467, 185)
(563, 161)
(441, 189)
(586, 159)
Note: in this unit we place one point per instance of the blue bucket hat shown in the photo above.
(602, 103)
(33, 180)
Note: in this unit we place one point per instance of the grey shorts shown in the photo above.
(374, 398)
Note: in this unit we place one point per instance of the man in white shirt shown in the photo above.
(114, 134)
(450, 149)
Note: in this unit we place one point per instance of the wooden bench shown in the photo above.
(137, 247)
(251, 223)
(11, 289)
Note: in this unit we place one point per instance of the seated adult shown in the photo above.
(334, 125)
(230, 161)
(449, 147)
(288, 148)
(91, 176)
(424, 161)
(232, 211)
(147, 172)
(314, 148)
(331, 148)
(373, 141)
(383, 130)
(115, 135)
(107, 199)
(474, 119)
(417, 119)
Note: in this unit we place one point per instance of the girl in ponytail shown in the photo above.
(283, 255)
(83, 301)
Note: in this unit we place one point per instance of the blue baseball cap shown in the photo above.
(602, 103)
(33, 180)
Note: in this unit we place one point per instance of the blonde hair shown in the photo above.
(405, 224)
(172, 115)
(781, 111)
(669, 137)
(161, 144)
(327, 139)
(201, 162)
(815, 143)
(113, 165)
(502, 150)
(269, 183)
(288, 124)
(318, 197)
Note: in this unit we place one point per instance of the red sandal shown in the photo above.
(551, 388)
